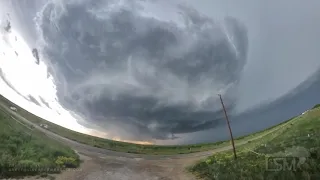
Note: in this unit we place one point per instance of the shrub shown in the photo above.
(66, 162)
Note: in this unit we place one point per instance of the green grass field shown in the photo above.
(26, 151)
(274, 156)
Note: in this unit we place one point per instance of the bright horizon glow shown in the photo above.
(28, 78)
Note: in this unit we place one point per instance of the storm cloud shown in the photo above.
(145, 70)
(120, 64)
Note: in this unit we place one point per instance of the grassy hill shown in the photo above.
(26, 151)
(290, 152)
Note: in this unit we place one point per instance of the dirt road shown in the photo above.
(102, 164)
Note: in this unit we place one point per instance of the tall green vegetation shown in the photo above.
(26, 151)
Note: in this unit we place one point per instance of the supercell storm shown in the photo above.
(151, 72)
(140, 70)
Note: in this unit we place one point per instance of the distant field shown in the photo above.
(273, 156)
(26, 151)
(129, 147)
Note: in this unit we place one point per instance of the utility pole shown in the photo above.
(225, 113)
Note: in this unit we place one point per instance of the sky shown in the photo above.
(283, 44)
(152, 70)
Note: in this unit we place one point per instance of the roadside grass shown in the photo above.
(25, 151)
(299, 137)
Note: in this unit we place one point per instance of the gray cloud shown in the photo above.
(33, 100)
(156, 76)
(45, 102)
(283, 41)
(6, 81)
(117, 66)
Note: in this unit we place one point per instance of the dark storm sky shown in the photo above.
(150, 75)
(145, 76)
